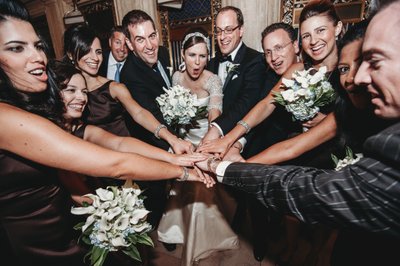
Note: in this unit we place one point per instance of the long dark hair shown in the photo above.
(47, 103)
(77, 42)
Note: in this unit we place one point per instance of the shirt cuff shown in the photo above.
(213, 124)
(220, 171)
(242, 141)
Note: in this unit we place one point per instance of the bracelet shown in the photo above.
(245, 125)
(185, 174)
(211, 162)
(157, 131)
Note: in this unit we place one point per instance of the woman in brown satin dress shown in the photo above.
(35, 219)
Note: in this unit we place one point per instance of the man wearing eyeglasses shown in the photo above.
(242, 71)
(280, 46)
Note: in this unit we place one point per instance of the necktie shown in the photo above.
(223, 59)
(117, 72)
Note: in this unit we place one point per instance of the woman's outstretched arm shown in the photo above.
(108, 140)
(39, 140)
(296, 146)
(262, 110)
(146, 119)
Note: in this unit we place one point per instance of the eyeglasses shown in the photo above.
(227, 30)
(278, 49)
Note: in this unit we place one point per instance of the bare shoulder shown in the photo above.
(117, 85)
(118, 90)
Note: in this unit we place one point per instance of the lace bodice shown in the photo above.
(212, 85)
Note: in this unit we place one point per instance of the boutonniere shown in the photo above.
(350, 158)
(232, 68)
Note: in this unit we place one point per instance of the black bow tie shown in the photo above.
(223, 59)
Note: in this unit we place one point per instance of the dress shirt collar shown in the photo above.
(113, 62)
(234, 52)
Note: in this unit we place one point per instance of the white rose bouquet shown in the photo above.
(350, 158)
(116, 221)
(179, 108)
(305, 93)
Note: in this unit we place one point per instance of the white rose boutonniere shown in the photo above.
(350, 158)
(231, 67)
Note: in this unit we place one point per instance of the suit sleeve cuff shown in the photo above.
(220, 171)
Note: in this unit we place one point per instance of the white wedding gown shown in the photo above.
(193, 217)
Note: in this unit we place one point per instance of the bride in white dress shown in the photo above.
(193, 217)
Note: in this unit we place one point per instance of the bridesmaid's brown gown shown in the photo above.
(36, 227)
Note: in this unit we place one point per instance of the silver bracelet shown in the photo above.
(157, 131)
(245, 125)
(185, 174)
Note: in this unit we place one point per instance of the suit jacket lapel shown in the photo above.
(227, 80)
(149, 72)
(238, 59)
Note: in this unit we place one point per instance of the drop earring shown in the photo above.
(182, 67)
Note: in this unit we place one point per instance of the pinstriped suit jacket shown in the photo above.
(365, 195)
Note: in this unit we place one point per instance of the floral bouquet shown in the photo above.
(347, 160)
(305, 93)
(116, 221)
(179, 108)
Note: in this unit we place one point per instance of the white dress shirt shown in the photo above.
(112, 66)
(222, 69)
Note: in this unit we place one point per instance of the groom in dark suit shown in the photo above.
(145, 74)
(242, 71)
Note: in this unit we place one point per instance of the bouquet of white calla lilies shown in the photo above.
(179, 108)
(305, 93)
(116, 221)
